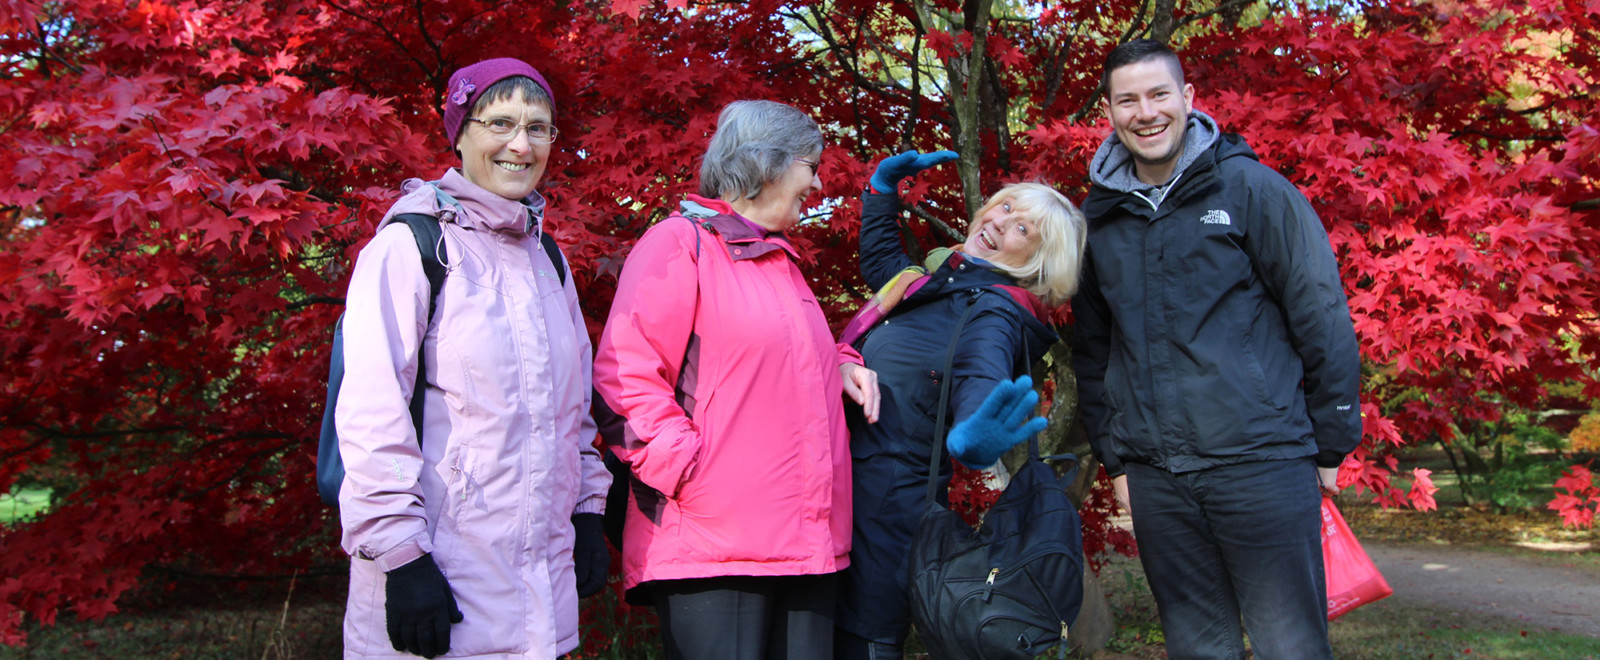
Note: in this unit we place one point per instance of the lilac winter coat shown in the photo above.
(506, 457)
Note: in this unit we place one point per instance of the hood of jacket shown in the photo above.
(455, 199)
(1200, 171)
(1113, 165)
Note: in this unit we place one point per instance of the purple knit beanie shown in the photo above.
(470, 82)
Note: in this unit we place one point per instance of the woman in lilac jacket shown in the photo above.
(719, 357)
(476, 538)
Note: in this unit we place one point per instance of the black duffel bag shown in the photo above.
(1012, 587)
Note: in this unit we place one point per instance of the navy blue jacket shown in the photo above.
(1214, 330)
(1001, 340)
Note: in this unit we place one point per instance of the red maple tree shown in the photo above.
(188, 182)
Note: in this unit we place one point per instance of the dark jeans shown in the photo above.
(1237, 541)
(747, 618)
(850, 646)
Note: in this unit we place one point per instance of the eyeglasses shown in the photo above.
(812, 163)
(506, 130)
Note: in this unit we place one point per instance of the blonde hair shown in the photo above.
(1052, 272)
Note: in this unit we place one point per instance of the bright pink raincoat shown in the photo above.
(719, 357)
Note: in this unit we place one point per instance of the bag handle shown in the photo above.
(944, 397)
(1064, 480)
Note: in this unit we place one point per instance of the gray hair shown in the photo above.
(755, 143)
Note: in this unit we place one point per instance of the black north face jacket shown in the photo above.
(1212, 327)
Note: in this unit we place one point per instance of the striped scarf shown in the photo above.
(899, 287)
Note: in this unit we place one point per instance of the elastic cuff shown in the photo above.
(1329, 459)
(1113, 468)
(401, 555)
(596, 504)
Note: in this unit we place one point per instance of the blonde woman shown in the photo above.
(1021, 254)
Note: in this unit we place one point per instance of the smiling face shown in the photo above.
(508, 168)
(1003, 235)
(1149, 109)
(781, 201)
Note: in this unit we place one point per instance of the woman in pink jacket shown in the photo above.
(478, 537)
(719, 358)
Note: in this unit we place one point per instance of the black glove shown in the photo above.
(419, 608)
(590, 558)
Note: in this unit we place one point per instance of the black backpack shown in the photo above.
(425, 228)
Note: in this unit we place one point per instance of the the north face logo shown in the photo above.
(1216, 218)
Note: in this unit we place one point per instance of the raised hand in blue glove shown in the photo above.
(419, 608)
(894, 168)
(1004, 419)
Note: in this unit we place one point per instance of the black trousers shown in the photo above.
(1231, 544)
(747, 618)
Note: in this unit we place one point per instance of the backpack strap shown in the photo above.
(429, 236)
(330, 465)
(550, 248)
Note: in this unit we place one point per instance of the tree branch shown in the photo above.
(1100, 89)
(1230, 5)
(1541, 137)
(313, 300)
(1162, 23)
(315, 571)
(936, 223)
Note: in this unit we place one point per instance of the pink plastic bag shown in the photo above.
(1352, 579)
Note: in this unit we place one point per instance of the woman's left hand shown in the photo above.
(861, 384)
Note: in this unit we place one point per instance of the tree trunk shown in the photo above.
(1163, 22)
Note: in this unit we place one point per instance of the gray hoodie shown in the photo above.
(1113, 165)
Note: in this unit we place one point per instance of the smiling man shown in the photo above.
(1217, 366)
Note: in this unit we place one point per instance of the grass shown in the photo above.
(281, 621)
(22, 504)
(1386, 630)
(278, 621)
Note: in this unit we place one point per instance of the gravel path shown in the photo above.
(1546, 593)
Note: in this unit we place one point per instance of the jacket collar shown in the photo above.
(1198, 176)
(456, 200)
(742, 238)
(963, 272)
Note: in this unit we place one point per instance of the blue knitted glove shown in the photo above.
(1004, 419)
(894, 168)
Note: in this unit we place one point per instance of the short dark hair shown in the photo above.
(508, 89)
(1136, 51)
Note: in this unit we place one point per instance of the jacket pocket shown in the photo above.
(1255, 374)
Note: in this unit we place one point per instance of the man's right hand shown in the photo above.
(1119, 486)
